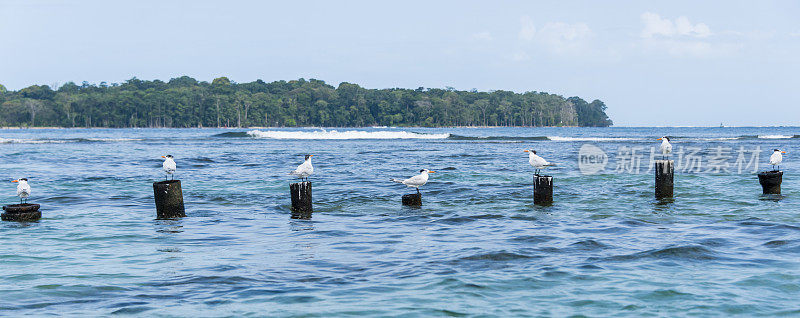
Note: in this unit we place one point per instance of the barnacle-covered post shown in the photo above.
(770, 181)
(414, 199)
(665, 170)
(169, 199)
(300, 193)
(542, 190)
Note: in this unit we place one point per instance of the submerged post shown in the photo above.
(770, 181)
(169, 199)
(542, 190)
(414, 199)
(301, 198)
(24, 212)
(665, 170)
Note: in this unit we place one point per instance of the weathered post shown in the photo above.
(24, 212)
(665, 170)
(770, 181)
(301, 199)
(414, 199)
(169, 199)
(542, 190)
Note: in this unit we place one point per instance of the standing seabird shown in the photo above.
(305, 169)
(666, 147)
(416, 181)
(536, 161)
(23, 189)
(776, 158)
(169, 166)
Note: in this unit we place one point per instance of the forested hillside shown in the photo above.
(186, 102)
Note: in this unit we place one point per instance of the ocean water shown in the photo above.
(477, 247)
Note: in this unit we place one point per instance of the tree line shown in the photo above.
(186, 102)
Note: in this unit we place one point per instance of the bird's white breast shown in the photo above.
(169, 166)
(305, 169)
(776, 158)
(536, 161)
(23, 189)
(666, 147)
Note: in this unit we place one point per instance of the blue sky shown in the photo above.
(652, 63)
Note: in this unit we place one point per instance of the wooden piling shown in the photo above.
(414, 199)
(169, 199)
(770, 181)
(542, 190)
(24, 212)
(301, 198)
(665, 171)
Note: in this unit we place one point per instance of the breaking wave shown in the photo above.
(31, 141)
(360, 134)
(459, 137)
(61, 141)
(745, 137)
(777, 136)
(597, 139)
(342, 135)
(543, 138)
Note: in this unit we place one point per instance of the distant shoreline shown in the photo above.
(393, 127)
(187, 102)
(307, 127)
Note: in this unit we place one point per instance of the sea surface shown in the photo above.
(477, 247)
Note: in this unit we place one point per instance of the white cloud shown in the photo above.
(528, 30)
(559, 37)
(562, 36)
(655, 25)
(681, 38)
(684, 27)
(485, 36)
(692, 48)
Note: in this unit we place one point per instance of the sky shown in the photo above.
(654, 63)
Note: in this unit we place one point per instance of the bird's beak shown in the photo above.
(783, 151)
(431, 171)
(163, 156)
(659, 139)
(526, 150)
(15, 181)
(310, 156)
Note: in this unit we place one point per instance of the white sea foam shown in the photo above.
(774, 137)
(349, 134)
(61, 141)
(595, 139)
(30, 141)
(114, 139)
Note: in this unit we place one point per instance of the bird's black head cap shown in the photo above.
(23, 179)
(776, 150)
(168, 156)
(308, 156)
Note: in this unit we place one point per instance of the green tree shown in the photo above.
(187, 102)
